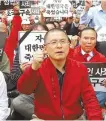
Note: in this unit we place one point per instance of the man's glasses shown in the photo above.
(54, 43)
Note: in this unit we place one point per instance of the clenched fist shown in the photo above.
(88, 4)
(38, 58)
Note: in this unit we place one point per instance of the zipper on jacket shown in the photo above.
(61, 103)
(61, 100)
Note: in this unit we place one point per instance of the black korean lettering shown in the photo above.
(52, 12)
(48, 12)
(6, 2)
(35, 47)
(57, 11)
(28, 47)
(9, 13)
(48, 6)
(52, 6)
(40, 38)
(27, 12)
(22, 12)
(41, 47)
(66, 6)
(28, 57)
(57, 6)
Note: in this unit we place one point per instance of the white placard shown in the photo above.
(33, 42)
(57, 8)
(101, 32)
(25, 12)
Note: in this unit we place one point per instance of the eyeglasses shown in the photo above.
(54, 43)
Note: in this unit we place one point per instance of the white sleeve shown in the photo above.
(4, 110)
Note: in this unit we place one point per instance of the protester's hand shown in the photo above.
(38, 58)
(4, 15)
(74, 40)
(75, 37)
(88, 4)
(42, 10)
(16, 9)
(24, 66)
(82, 26)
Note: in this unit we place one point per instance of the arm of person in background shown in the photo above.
(42, 18)
(90, 102)
(4, 110)
(14, 74)
(87, 14)
(74, 41)
(5, 67)
(24, 66)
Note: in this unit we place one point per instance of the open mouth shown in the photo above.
(59, 52)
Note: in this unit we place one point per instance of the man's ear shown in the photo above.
(79, 40)
(44, 50)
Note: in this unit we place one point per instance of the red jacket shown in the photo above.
(12, 40)
(76, 55)
(48, 104)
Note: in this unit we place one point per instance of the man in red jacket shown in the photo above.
(54, 82)
(86, 52)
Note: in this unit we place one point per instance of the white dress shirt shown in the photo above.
(90, 54)
(4, 110)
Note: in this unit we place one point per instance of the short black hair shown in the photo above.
(87, 28)
(53, 30)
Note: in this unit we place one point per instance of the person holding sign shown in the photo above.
(23, 104)
(86, 52)
(54, 82)
(94, 16)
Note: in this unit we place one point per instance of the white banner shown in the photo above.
(57, 8)
(33, 42)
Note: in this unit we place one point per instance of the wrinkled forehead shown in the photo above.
(89, 33)
(56, 35)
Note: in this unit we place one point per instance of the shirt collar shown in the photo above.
(90, 53)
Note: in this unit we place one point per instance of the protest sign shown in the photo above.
(57, 8)
(97, 74)
(33, 42)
